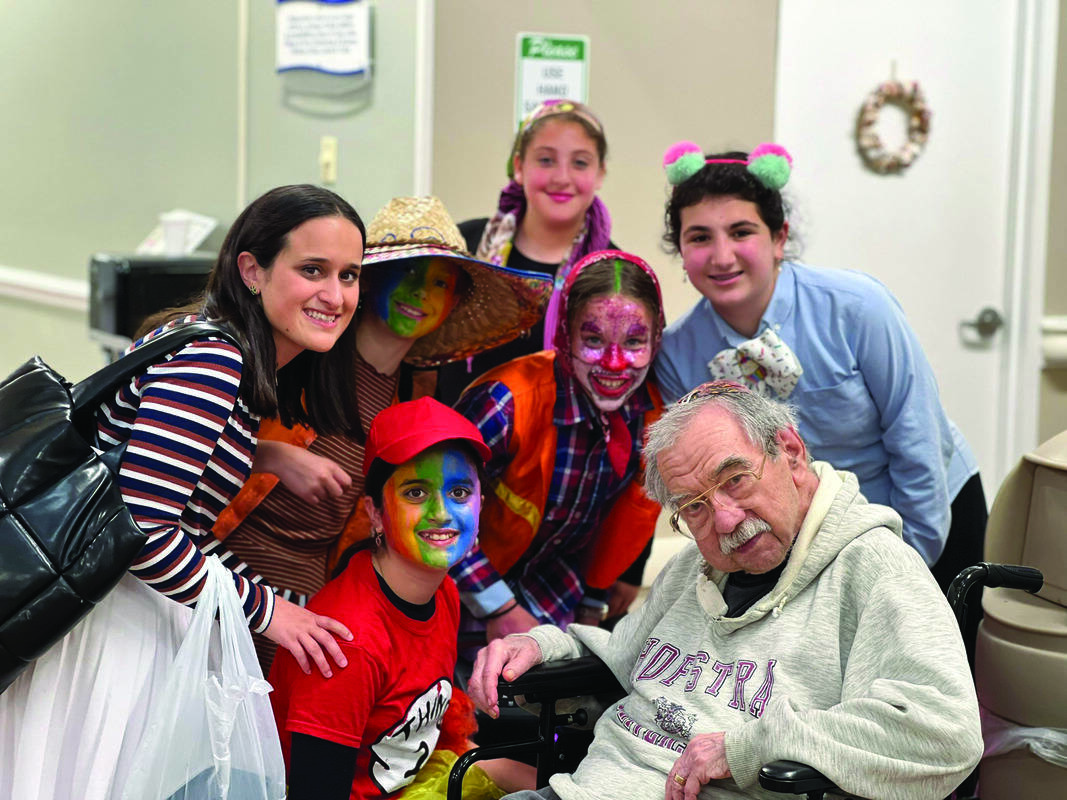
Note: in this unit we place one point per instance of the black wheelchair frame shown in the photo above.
(589, 676)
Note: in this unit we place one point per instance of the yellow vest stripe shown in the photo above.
(519, 505)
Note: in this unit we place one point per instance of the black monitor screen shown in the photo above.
(126, 289)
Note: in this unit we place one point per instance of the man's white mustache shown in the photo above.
(749, 528)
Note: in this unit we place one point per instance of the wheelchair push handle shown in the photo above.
(1012, 576)
(996, 576)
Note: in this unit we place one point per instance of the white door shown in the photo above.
(956, 232)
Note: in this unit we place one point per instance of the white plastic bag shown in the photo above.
(1002, 736)
(212, 734)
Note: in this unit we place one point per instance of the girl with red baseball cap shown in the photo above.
(370, 730)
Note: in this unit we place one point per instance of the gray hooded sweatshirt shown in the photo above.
(853, 663)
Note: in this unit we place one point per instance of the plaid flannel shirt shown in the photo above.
(547, 579)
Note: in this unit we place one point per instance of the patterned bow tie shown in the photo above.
(760, 363)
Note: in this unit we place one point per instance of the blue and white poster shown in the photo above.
(331, 36)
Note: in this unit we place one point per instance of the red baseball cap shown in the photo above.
(401, 432)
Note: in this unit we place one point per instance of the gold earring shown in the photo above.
(253, 289)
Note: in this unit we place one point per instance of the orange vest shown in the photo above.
(515, 502)
(259, 484)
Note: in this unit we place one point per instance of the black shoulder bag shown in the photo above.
(66, 536)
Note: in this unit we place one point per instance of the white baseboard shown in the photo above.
(44, 289)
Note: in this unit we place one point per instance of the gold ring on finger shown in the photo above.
(680, 779)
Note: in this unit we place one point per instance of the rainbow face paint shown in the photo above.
(611, 348)
(413, 300)
(430, 507)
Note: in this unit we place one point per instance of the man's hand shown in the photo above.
(704, 760)
(517, 620)
(509, 657)
(310, 477)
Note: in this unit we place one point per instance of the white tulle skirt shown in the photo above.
(71, 722)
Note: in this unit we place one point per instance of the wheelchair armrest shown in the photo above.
(544, 684)
(792, 777)
(569, 678)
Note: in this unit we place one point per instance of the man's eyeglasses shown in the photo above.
(734, 489)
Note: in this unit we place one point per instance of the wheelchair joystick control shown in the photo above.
(579, 718)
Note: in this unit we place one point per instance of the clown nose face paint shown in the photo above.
(430, 507)
(413, 300)
(611, 348)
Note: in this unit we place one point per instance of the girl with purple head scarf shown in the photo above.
(548, 218)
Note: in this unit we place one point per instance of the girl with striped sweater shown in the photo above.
(287, 283)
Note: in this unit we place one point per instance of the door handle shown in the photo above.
(987, 323)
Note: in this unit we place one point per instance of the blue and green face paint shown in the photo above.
(415, 298)
(430, 507)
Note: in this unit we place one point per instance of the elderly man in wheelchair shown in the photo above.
(797, 625)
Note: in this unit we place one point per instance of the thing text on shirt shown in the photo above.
(401, 751)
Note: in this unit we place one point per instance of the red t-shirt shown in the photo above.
(388, 702)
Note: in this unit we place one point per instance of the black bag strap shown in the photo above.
(88, 394)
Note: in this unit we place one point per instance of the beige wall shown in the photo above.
(659, 72)
(1053, 403)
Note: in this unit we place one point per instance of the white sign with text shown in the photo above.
(331, 37)
(549, 66)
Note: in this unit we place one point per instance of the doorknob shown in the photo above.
(986, 323)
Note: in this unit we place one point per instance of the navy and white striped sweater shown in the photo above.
(191, 440)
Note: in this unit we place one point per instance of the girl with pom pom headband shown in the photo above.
(770, 164)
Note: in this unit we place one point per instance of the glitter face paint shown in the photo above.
(415, 299)
(611, 348)
(430, 507)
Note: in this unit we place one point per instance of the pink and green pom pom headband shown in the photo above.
(770, 164)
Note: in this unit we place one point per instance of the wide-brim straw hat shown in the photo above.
(498, 305)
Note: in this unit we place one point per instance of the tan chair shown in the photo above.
(1021, 654)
